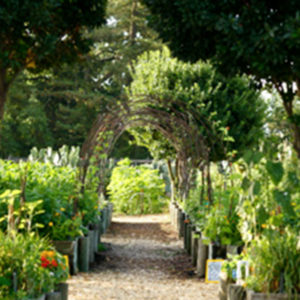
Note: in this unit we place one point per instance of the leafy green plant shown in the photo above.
(229, 266)
(22, 254)
(55, 263)
(275, 258)
(221, 227)
(65, 229)
(136, 190)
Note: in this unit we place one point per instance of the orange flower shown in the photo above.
(54, 263)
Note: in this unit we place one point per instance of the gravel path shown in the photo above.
(144, 260)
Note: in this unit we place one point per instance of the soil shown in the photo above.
(143, 259)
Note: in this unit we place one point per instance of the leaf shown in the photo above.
(5, 281)
(254, 157)
(256, 188)
(283, 198)
(275, 170)
(245, 184)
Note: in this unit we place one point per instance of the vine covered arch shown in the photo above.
(173, 120)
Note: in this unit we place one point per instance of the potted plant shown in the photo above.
(64, 234)
(221, 230)
(228, 287)
(57, 264)
(275, 260)
(21, 273)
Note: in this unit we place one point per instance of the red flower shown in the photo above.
(45, 262)
(54, 263)
(43, 259)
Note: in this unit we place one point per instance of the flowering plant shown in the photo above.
(56, 264)
(64, 228)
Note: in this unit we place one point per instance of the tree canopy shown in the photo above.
(218, 106)
(36, 35)
(259, 38)
(71, 95)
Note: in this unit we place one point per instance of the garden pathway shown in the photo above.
(144, 260)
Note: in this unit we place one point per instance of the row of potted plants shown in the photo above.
(43, 200)
(273, 256)
(32, 267)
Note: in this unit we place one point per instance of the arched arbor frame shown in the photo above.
(179, 125)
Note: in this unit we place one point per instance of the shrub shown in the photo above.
(136, 189)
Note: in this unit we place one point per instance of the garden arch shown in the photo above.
(178, 125)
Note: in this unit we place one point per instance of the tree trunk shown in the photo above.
(209, 187)
(287, 99)
(202, 185)
(288, 106)
(172, 180)
(132, 29)
(3, 92)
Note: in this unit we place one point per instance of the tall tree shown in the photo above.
(214, 107)
(259, 38)
(218, 105)
(36, 35)
(72, 95)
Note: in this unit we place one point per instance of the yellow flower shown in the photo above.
(57, 214)
(62, 209)
(264, 226)
(96, 206)
(50, 224)
(272, 213)
(293, 204)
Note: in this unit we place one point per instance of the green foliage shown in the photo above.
(219, 105)
(65, 156)
(50, 194)
(221, 227)
(158, 145)
(269, 198)
(136, 190)
(63, 229)
(275, 255)
(68, 98)
(229, 266)
(42, 34)
(22, 255)
(25, 122)
(256, 37)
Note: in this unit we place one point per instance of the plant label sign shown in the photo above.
(213, 270)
